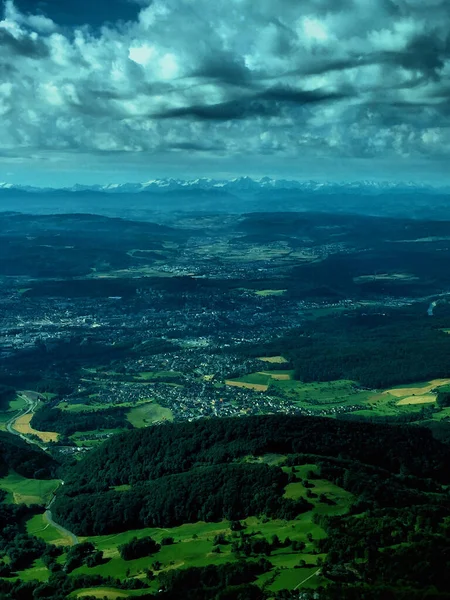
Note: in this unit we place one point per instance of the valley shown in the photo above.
(120, 334)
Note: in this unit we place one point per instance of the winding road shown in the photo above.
(32, 399)
(31, 406)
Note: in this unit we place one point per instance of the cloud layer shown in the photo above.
(279, 79)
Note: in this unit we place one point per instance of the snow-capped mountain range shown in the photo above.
(236, 186)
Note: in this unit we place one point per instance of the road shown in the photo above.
(66, 533)
(32, 399)
(31, 406)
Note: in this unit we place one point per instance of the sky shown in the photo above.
(100, 91)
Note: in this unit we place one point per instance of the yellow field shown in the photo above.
(401, 392)
(22, 425)
(104, 593)
(424, 399)
(275, 360)
(276, 376)
(249, 386)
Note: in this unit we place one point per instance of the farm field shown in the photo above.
(109, 593)
(276, 360)
(331, 397)
(28, 491)
(22, 425)
(418, 389)
(261, 380)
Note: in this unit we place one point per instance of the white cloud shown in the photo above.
(355, 79)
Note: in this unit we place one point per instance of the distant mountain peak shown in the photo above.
(244, 184)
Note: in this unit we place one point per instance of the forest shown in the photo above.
(177, 473)
(66, 423)
(212, 493)
(187, 472)
(375, 347)
(29, 461)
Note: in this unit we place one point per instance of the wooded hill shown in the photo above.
(188, 472)
(26, 459)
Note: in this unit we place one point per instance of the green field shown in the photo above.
(194, 542)
(41, 528)
(148, 414)
(158, 375)
(305, 578)
(28, 491)
(14, 407)
(93, 438)
(326, 396)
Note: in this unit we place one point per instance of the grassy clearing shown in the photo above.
(148, 414)
(342, 499)
(41, 528)
(28, 491)
(38, 572)
(22, 425)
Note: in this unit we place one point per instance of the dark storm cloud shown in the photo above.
(225, 68)
(268, 103)
(225, 111)
(289, 95)
(21, 46)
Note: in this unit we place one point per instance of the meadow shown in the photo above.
(40, 527)
(28, 491)
(334, 396)
(193, 543)
(149, 414)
